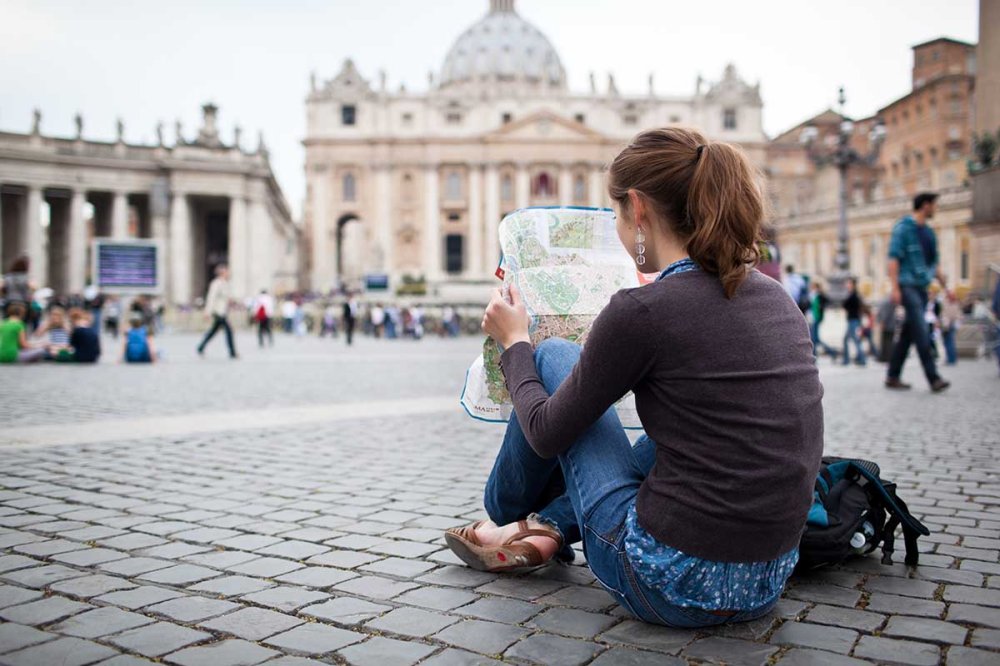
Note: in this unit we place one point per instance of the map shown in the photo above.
(567, 263)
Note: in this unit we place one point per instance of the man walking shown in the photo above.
(913, 259)
(217, 304)
(350, 317)
(263, 312)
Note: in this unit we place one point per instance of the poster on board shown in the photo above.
(127, 266)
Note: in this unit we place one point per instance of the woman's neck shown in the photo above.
(669, 253)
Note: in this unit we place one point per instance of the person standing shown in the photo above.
(817, 311)
(263, 312)
(217, 305)
(378, 320)
(853, 307)
(795, 285)
(913, 259)
(350, 318)
(951, 321)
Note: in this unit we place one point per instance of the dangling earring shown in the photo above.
(640, 249)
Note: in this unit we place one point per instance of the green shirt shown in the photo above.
(10, 337)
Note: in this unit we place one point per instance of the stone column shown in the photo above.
(492, 221)
(522, 187)
(566, 186)
(239, 263)
(598, 196)
(77, 240)
(159, 211)
(263, 246)
(324, 259)
(475, 266)
(383, 218)
(34, 235)
(432, 224)
(119, 216)
(181, 249)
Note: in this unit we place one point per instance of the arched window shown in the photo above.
(453, 186)
(506, 188)
(350, 187)
(543, 186)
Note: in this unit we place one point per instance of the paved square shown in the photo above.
(288, 509)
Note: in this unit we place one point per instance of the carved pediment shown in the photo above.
(544, 126)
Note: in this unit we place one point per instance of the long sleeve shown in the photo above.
(213, 287)
(619, 351)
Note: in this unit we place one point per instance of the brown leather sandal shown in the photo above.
(508, 556)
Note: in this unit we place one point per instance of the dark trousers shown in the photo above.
(349, 330)
(264, 329)
(217, 323)
(914, 332)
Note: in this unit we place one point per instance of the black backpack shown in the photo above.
(853, 512)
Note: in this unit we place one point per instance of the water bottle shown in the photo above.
(860, 540)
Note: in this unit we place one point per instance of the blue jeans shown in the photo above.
(914, 333)
(586, 493)
(950, 349)
(853, 335)
(817, 343)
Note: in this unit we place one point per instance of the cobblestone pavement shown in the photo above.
(320, 542)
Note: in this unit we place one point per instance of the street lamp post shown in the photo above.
(843, 156)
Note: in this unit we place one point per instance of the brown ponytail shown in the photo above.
(708, 193)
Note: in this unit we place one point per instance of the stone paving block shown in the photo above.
(457, 576)
(806, 657)
(315, 638)
(897, 652)
(986, 638)
(411, 622)
(181, 574)
(15, 562)
(39, 577)
(500, 609)
(802, 634)
(145, 595)
(318, 577)
(845, 617)
(296, 550)
(398, 567)
(248, 541)
(43, 611)
(126, 660)
(16, 636)
(963, 656)
(907, 587)
(344, 559)
(826, 594)
(17, 538)
(157, 639)
(345, 610)
(91, 533)
(134, 566)
(219, 559)
(285, 597)
(729, 651)
(11, 595)
(232, 652)
(48, 548)
(647, 636)
(132, 541)
(375, 587)
(380, 651)
(265, 567)
(572, 622)
(174, 550)
(252, 624)
(100, 622)
(972, 595)
(356, 542)
(481, 636)
(456, 657)
(191, 608)
(438, 598)
(91, 586)
(313, 534)
(411, 549)
(62, 651)
(165, 527)
(553, 650)
(232, 586)
(923, 629)
(56, 526)
(891, 603)
(579, 597)
(527, 589)
(89, 557)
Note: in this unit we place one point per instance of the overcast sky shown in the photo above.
(148, 61)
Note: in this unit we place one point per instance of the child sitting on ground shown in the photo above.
(14, 345)
(84, 341)
(56, 335)
(138, 347)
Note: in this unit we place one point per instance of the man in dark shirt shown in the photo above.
(84, 340)
(853, 308)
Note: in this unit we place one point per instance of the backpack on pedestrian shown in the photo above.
(854, 511)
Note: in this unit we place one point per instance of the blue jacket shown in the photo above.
(914, 271)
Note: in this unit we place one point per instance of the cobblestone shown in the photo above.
(316, 539)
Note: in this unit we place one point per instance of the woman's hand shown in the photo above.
(507, 323)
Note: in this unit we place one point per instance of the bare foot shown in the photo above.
(489, 534)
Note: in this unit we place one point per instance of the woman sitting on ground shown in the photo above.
(698, 524)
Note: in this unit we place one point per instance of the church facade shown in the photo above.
(409, 185)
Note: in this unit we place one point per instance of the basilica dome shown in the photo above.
(500, 49)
